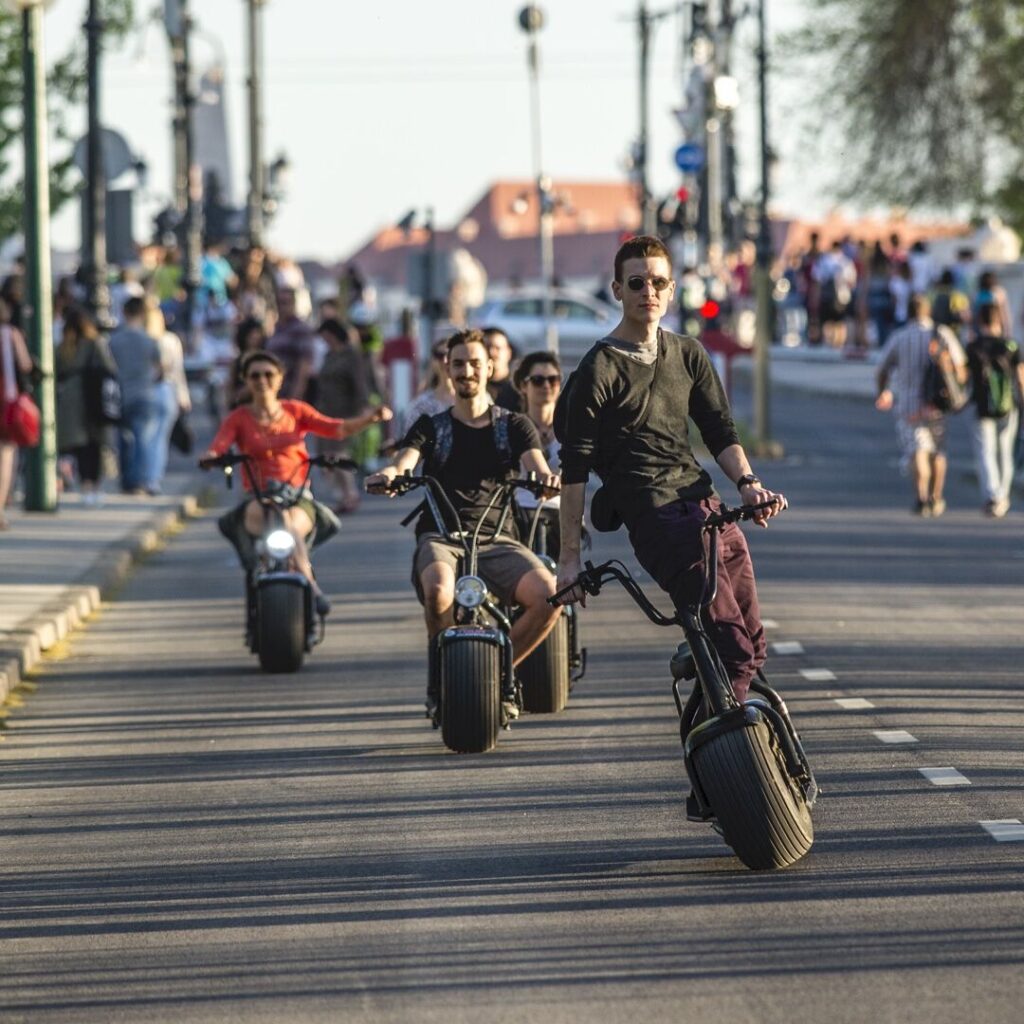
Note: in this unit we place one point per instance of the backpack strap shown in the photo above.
(502, 441)
(443, 437)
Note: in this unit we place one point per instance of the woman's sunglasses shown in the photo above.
(636, 284)
(539, 379)
(260, 374)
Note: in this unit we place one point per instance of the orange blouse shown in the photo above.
(277, 449)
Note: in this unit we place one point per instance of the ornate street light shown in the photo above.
(41, 462)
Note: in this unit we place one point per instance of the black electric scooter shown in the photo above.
(282, 624)
(749, 775)
(470, 663)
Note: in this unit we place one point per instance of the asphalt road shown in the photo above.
(185, 839)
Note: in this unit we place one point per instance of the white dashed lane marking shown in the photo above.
(818, 675)
(944, 777)
(787, 647)
(853, 703)
(894, 736)
(1004, 830)
(769, 624)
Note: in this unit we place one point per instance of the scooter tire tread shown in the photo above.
(470, 695)
(544, 672)
(281, 625)
(761, 816)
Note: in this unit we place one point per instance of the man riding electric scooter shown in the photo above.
(625, 416)
(470, 450)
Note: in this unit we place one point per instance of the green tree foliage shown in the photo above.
(928, 96)
(66, 84)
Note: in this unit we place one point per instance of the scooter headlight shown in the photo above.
(470, 591)
(280, 544)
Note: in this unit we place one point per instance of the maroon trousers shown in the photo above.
(669, 544)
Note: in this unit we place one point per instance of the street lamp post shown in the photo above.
(531, 21)
(257, 184)
(95, 219)
(762, 353)
(41, 461)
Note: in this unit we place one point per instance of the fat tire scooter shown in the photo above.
(282, 624)
(749, 774)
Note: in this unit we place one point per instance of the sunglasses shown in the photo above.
(539, 379)
(260, 374)
(637, 283)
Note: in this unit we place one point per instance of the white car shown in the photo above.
(579, 319)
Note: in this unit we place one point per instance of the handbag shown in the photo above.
(20, 415)
(941, 390)
(182, 435)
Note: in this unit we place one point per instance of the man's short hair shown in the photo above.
(640, 248)
(918, 306)
(467, 337)
(134, 308)
(988, 315)
(260, 356)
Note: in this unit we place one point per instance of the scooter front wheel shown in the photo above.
(761, 812)
(470, 694)
(281, 626)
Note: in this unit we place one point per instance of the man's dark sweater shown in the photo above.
(649, 465)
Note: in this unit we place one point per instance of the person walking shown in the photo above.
(501, 387)
(139, 370)
(250, 336)
(83, 362)
(172, 395)
(997, 384)
(920, 427)
(294, 343)
(341, 394)
(15, 363)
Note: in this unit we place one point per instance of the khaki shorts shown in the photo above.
(501, 565)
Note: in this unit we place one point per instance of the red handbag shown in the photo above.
(19, 415)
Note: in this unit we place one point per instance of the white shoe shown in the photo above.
(92, 499)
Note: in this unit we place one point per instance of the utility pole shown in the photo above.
(41, 461)
(531, 21)
(647, 212)
(762, 353)
(257, 183)
(188, 184)
(94, 248)
(429, 262)
(730, 190)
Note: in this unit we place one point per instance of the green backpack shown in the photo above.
(1000, 390)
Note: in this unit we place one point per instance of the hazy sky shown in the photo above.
(401, 103)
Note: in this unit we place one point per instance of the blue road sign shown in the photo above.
(690, 157)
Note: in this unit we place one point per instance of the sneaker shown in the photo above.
(433, 708)
(922, 509)
(693, 812)
(323, 606)
(509, 712)
(1000, 508)
(938, 506)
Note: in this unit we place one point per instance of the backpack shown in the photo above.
(999, 393)
(941, 389)
(444, 436)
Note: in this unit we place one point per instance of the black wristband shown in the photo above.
(747, 478)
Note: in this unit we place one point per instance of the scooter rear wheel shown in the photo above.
(470, 695)
(761, 812)
(281, 627)
(544, 672)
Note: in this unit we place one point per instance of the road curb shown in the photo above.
(23, 647)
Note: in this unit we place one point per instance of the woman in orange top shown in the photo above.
(272, 433)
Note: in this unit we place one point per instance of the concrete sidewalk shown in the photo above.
(56, 568)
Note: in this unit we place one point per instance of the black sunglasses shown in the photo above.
(539, 379)
(636, 284)
(257, 374)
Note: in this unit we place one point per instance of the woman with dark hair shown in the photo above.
(342, 392)
(15, 363)
(538, 378)
(437, 393)
(83, 361)
(250, 336)
(272, 432)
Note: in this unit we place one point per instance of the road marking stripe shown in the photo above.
(853, 703)
(769, 624)
(944, 777)
(818, 675)
(1004, 830)
(894, 736)
(787, 647)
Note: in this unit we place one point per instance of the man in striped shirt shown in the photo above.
(921, 428)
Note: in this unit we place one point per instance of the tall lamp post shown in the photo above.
(41, 462)
(531, 21)
(94, 249)
(257, 184)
